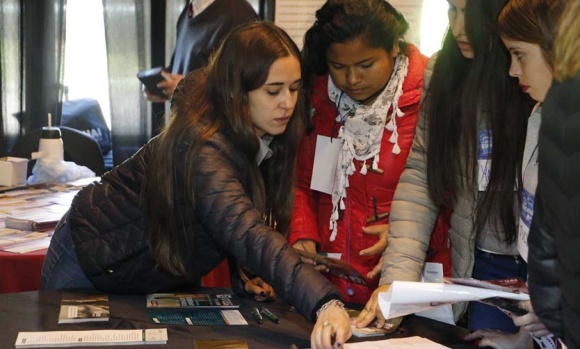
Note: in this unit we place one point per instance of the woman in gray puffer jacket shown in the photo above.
(214, 183)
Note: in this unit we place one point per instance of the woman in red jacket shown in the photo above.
(365, 86)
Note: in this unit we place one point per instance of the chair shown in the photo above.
(79, 148)
(85, 115)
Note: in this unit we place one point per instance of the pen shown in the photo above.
(267, 313)
(256, 314)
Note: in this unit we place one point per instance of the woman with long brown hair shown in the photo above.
(216, 183)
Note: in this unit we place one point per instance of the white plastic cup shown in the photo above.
(50, 146)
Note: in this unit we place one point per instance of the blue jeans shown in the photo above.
(61, 268)
(489, 266)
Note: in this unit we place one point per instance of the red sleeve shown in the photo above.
(304, 215)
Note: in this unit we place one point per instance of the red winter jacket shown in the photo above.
(312, 209)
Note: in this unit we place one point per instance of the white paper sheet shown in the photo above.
(407, 297)
(397, 343)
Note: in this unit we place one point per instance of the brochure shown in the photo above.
(370, 331)
(193, 300)
(408, 297)
(76, 307)
(414, 342)
(206, 317)
(55, 339)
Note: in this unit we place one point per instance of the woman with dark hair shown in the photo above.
(364, 83)
(466, 155)
(528, 29)
(213, 184)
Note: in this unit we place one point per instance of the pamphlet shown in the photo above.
(55, 339)
(515, 285)
(193, 300)
(407, 297)
(79, 307)
(336, 267)
(370, 331)
(37, 219)
(414, 342)
(205, 317)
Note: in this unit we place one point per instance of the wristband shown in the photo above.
(336, 302)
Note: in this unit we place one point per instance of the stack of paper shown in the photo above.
(56, 339)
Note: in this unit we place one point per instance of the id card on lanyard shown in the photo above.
(325, 160)
(484, 159)
(526, 213)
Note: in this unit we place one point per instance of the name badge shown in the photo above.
(484, 159)
(325, 159)
(526, 214)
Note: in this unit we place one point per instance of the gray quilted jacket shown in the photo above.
(413, 216)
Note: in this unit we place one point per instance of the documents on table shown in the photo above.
(204, 317)
(415, 342)
(83, 307)
(407, 297)
(55, 339)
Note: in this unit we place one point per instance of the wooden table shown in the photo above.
(38, 311)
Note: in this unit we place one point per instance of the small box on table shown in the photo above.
(13, 171)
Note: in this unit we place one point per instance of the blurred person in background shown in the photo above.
(201, 27)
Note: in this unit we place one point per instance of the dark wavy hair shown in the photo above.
(533, 21)
(216, 100)
(463, 95)
(340, 21)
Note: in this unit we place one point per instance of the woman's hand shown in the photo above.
(310, 247)
(383, 231)
(332, 329)
(372, 311)
(261, 290)
(153, 98)
(502, 340)
(169, 84)
(530, 321)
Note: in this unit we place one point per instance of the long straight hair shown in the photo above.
(216, 100)
(463, 96)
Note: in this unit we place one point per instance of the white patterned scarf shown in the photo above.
(361, 132)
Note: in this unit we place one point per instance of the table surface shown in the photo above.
(38, 311)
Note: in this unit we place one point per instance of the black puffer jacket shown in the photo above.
(109, 232)
(554, 240)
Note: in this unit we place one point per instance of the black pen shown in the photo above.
(256, 314)
(267, 313)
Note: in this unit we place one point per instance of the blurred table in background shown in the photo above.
(22, 252)
(20, 271)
